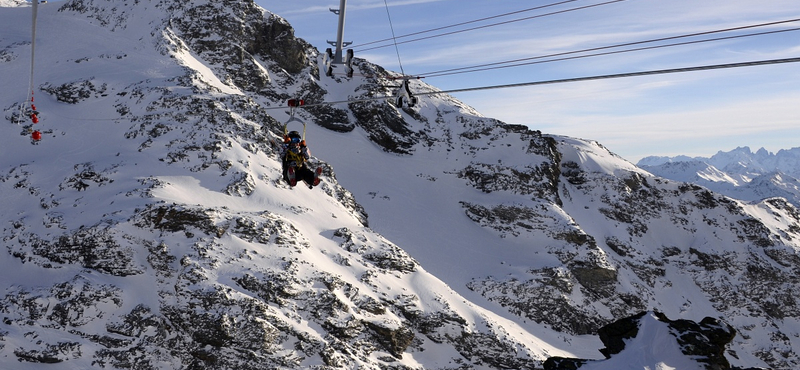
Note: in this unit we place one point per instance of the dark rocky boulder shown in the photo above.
(704, 341)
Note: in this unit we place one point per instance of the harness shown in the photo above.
(294, 156)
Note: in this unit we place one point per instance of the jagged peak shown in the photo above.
(13, 3)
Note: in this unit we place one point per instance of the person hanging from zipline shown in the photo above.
(295, 155)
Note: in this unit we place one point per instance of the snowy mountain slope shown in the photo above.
(606, 240)
(570, 215)
(739, 173)
(149, 227)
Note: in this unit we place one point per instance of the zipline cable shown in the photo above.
(506, 64)
(566, 80)
(622, 75)
(29, 92)
(33, 44)
(475, 67)
(494, 24)
(465, 23)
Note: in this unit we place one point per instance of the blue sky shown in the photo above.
(693, 113)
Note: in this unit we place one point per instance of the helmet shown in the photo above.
(294, 136)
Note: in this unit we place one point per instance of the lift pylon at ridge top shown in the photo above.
(402, 93)
(331, 58)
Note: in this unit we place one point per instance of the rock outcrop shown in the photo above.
(704, 342)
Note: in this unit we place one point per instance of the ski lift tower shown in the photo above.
(330, 57)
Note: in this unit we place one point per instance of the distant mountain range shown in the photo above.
(739, 173)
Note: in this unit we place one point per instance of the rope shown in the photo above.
(393, 37)
(28, 101)
(33, 44)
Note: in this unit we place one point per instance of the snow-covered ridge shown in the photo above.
(150, 229)
(741, 160)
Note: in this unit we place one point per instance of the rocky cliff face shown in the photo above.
(704, 342)
(161, 235)
(632, 237)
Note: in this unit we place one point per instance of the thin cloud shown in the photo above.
(381, 4)
(300, 11)
(363, 5)
(772, 121)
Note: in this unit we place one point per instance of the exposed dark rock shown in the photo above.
(507, 219)
(572, 172)
(595, 278)
(394, 340)
(96, 247)
(51, 354)
(561, 363)
(388, 256)
(486, 350)
(178, 218)
(704, 341)
(86, 176)
(275, 40)
(385, 126)
(614, 334)
(544, 299)
(528, 180)
(75, 92)
(331, 118)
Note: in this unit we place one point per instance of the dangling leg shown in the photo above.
(311, 178)
(292, 176)
(317, 172)
(289, 174)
